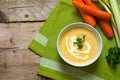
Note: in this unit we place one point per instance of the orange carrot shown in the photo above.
(88, 18)
(106, 28)
(92, 11)
(89, 2)
(103, 23)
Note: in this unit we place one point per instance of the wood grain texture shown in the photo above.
(25, 10)
(17, 62)
(17, 35)
(20, 20)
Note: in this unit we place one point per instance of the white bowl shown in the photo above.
(89, 27)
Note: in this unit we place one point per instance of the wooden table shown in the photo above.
(20, 20)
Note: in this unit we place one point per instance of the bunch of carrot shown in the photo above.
(90, 12)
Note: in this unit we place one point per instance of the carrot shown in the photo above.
(103, 23)
(92, 11)
(106, 28)
(88, 18)
(89, 2)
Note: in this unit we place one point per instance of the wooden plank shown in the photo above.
(21, 72)
(14, 41)
(17, 57)
(17, 35)
(25, 10)
(17, 62)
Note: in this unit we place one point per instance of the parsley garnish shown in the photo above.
(113, 56)
(79, 41)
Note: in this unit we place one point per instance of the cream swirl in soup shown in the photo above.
(71, 51)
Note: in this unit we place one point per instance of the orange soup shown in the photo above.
(78, 55)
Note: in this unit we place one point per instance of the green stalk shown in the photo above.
(119, 7)
(107, 8)
(116, 34)
(106, 5)
(116, 13)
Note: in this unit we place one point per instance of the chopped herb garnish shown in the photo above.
(79, 41)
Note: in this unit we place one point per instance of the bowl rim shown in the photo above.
(84, 25)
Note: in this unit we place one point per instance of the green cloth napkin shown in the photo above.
(52, 66)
